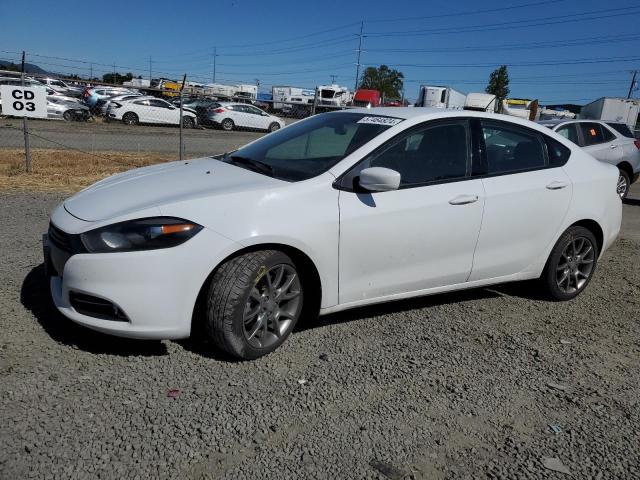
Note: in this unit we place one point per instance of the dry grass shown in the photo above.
(66, 170)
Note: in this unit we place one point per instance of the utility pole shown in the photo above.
(215, 57)
(91, 72)
(150, 69)
(633, 83)
(333, 79)
(358, 60)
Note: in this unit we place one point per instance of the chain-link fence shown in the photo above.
(149, 121)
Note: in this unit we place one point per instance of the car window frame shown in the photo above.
(348, 182)
(482, 154)
(584, 143)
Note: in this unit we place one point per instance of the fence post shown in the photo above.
(181, 112)
(315, 102)
(25, 128)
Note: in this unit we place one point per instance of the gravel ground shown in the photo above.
(462, 385)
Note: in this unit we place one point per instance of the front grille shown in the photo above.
(96, 307)
(59, 238)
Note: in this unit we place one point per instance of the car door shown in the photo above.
(593, 140)
(259, 118)
(616, 145)
(527, 196)
(163, 112)
(420, 236)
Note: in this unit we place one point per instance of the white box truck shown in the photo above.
(622, 110)
(481, 102)
(292, 99)
(440, 97)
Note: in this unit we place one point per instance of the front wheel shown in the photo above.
(253, 303)
(571, 264)
(624, 183)
(187, 122)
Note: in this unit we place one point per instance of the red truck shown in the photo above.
(366, 98)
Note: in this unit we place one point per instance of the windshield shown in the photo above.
(308, 148)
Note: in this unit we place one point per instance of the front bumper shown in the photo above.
(156, 289)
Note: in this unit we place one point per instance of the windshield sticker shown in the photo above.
(380, 120)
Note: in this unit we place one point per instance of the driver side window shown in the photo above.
(429, 154)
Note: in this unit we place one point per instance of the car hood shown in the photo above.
(157, 185)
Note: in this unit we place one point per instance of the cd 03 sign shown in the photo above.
(20, 101)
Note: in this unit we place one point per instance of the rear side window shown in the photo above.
(592, 133)
(558, 153)
(622, 129)
(570, 132)
(511, 149)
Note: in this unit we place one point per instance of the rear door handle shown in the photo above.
(557, 185)
(463, 199)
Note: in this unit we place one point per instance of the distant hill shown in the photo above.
(28, 67)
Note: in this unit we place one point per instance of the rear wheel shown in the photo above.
(253, 303)
(571, 264)
(227, 124)
(67, 116)
(274, 126)
(130, 118)
(624, 182)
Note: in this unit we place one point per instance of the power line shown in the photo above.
(556, 19)
(581, 61)
(466, 13)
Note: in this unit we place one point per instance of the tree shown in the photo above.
(388, 82)
(499, 83)
(116, 78)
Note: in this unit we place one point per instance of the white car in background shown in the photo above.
(609, 142)
(150, 110)
(336, 211)
(229, 116)
(118, 98)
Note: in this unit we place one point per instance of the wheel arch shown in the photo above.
(626, 166)
(595, 228)
(312, 284)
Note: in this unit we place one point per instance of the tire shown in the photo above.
(187, 122)
(130, 118)
(274, 126)
(67, 116)
(243, 315)
(624, 183)
(571, 264)
(227, 124)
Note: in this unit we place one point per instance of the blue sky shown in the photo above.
(557, 50)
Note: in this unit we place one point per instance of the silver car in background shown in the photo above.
(609, 142)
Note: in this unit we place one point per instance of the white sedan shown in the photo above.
(229, 116)
(336, 211)
(149, 110)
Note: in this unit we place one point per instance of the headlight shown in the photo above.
(142, 234)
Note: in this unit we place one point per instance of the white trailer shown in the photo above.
(287, 99)
(481, 102)
(623, 110)
(437, 96)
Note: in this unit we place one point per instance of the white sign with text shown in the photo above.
(20, 101)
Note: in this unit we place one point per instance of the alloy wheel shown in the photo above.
(622, 186)
(575, 265)
(272, 306)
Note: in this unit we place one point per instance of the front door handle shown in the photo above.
(463, 199)
(613, 146)
(557, 185)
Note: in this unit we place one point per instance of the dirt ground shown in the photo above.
(487, 383)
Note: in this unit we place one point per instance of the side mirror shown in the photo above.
(379, 179)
